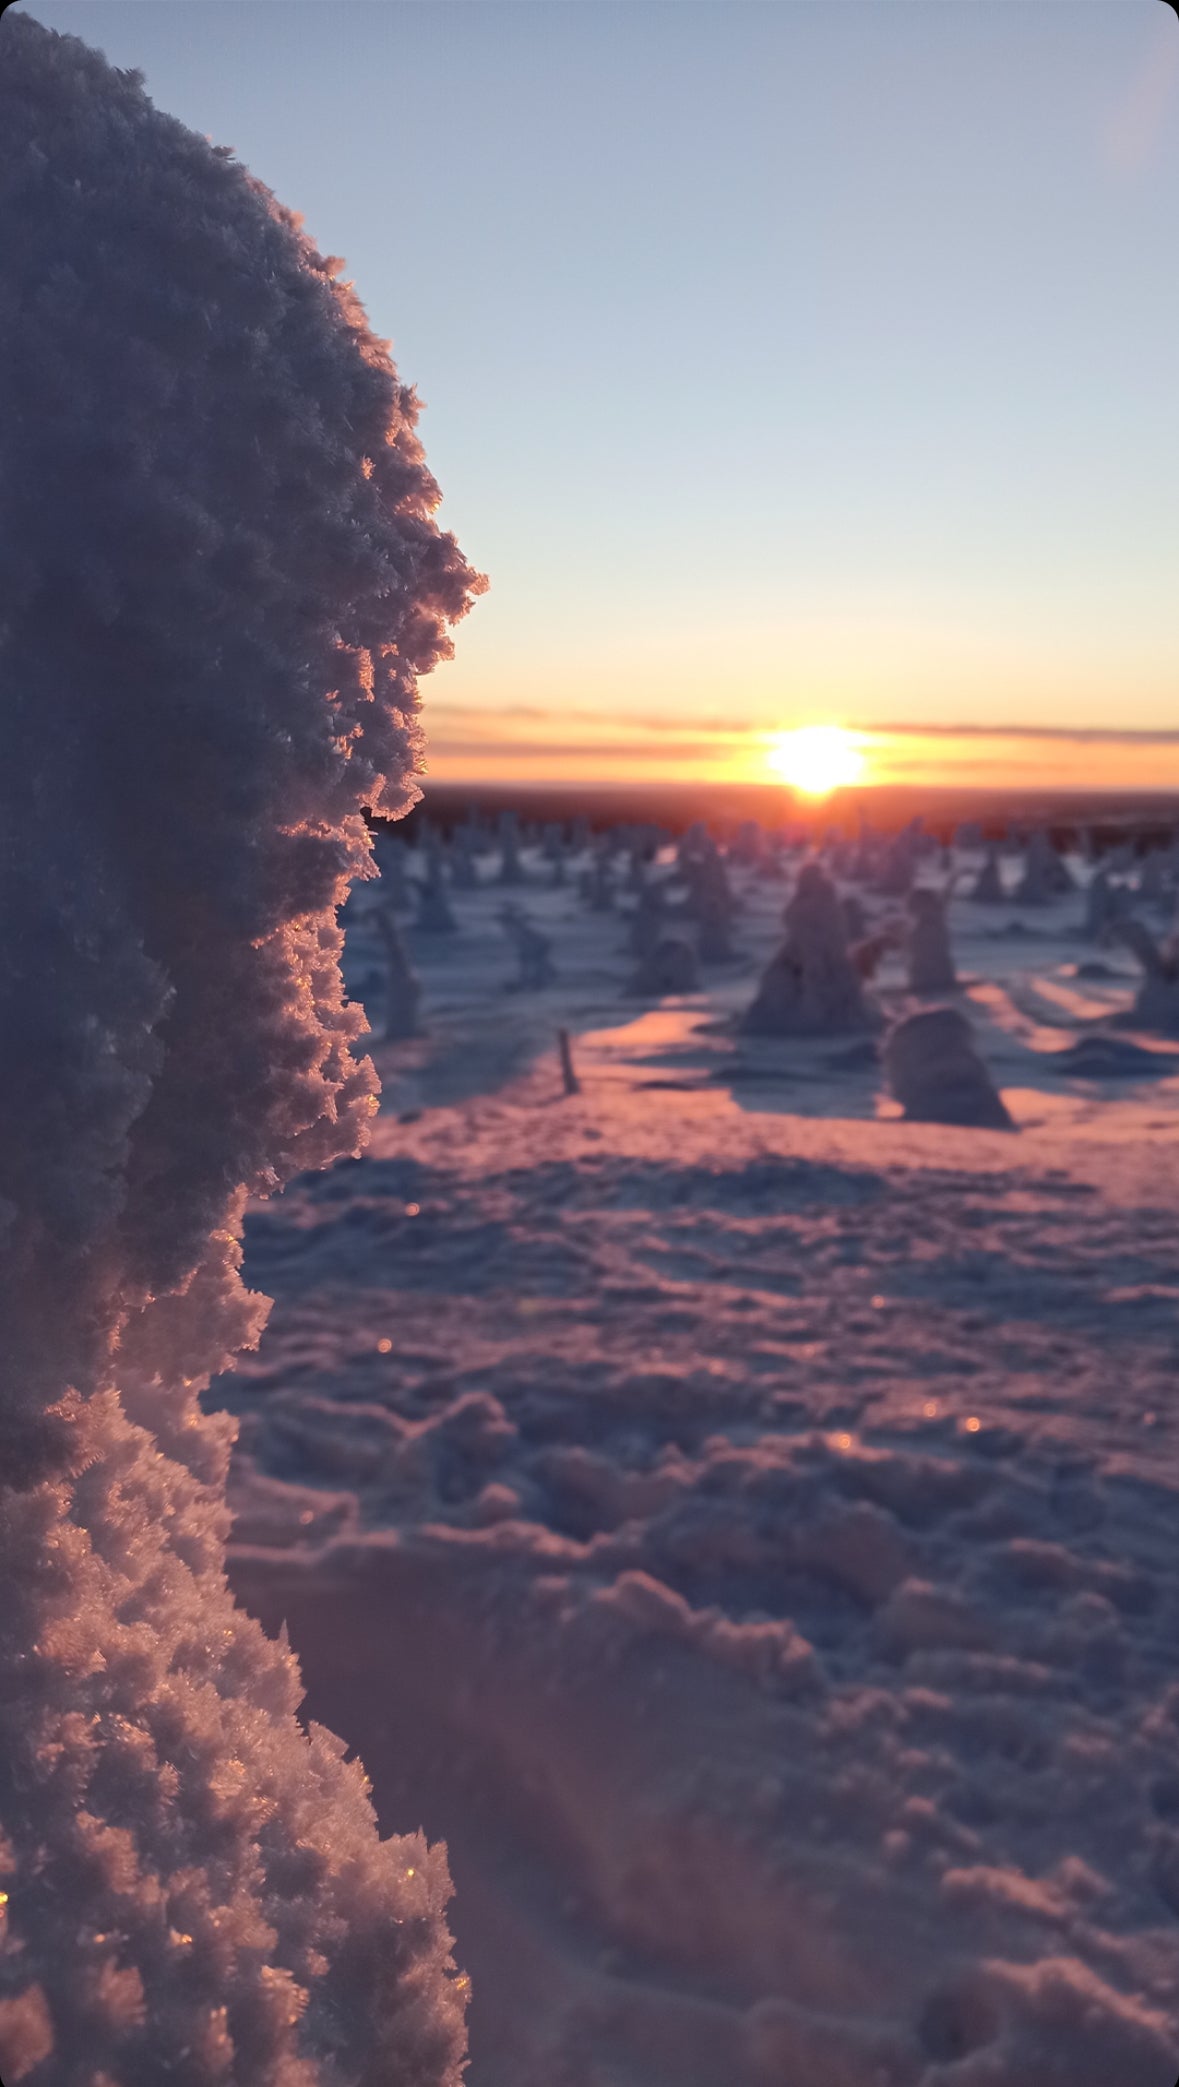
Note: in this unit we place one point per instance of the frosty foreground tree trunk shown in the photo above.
(221, 580)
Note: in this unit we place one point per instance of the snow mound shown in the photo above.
(935, 1072)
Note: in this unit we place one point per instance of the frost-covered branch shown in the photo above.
(221, 580)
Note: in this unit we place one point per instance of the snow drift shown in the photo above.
(221, 581)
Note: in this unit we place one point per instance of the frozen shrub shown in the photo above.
(511, 869)
(390, 853)
(934, 1071)
(693, 844)
(1156, 1004)
(648, 918)
(635, 875)
(464, 869)
(221, 582)
(710, 903)
(864, 863)
(552, 839)
(556, 853)
(532, 947)
(931, 964)
(855, 917)
(1156, 879)
(435, 914)
(1105, 903)
(714, 941)
(670, 967)
(403, 990)
(771, 865)
(869, 951)
(478, 838)
(1045, 876)
(987, 889)
(837, 856)
(596, 884)
(898, 866)
(811, 987)
(748, 845)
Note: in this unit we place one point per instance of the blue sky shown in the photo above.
(782, 362)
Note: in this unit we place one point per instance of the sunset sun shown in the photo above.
(816, 759)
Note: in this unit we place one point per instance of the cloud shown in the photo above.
(221, 581)
(1075, 735)
(465, 732)
(571, 749)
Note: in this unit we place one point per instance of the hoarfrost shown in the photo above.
(222, 580)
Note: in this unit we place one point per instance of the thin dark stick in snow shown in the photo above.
(569, 1080)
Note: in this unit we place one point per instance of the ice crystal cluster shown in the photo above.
(221, 580)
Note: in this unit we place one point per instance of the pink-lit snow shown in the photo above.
(742, 1525)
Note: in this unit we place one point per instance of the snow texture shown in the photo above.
(773, 1501)
(221, 581)
(794, 1611)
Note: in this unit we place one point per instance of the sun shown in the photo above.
(816, 759)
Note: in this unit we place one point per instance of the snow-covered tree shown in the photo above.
(532, 946)
(1105, 903)
(931, 962)
(810, 987)
(435, 914)
(668, 967)
(596, 883)
(648, 917)
(511, 869)
(1156, 1004)
(461, 861)
(220, 580)
(390, 852)
(1044, 876)
(403, 991)
(987, 889)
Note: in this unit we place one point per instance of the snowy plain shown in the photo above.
(742, 1524)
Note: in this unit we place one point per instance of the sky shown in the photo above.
(784, 362)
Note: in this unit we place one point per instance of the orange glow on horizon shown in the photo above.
(569, 746)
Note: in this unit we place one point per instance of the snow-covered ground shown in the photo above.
(744, 1525)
